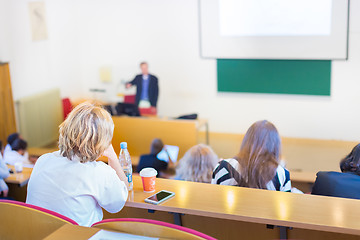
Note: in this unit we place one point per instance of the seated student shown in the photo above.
(4, 173)
(71, 181)
(257, 163)
(344, 184)
(151, 160)
(17, 154)
(10, 139)
(197, 164)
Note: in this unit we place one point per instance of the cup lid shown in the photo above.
(148, 172)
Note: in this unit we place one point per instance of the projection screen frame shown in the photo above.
(271, 56)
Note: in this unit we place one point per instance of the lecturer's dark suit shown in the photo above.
(153, 89)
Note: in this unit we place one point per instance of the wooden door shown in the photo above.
(7, 112)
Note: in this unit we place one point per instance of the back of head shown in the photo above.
(19, 145)
(259, 155)
(86, 133)
(12, 137)
(197, 164)
(351, 163)
(156, 146)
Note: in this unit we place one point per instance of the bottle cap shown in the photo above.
(123, 145)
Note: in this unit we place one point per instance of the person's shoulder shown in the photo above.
(52, 155)
(228, 165)
(283, 175)
(226, 172)
(282, 171)
(153, 77)
(55, 154)
(100, 170)
(229, 162)
(160, 163)
(148, 156)
(100, 165)
(137, 77)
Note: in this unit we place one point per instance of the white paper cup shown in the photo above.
(148, 177)
(18, 167)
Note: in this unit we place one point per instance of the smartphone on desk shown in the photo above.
(159, 197)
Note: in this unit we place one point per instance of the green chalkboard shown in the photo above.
(307, 77)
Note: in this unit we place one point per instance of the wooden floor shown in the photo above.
(299, 154)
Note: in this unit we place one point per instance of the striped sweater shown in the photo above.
(226, 173)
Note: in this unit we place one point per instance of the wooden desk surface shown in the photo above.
(253, 205)
(19, 178)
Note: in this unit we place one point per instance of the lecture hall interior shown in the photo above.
(179, 119)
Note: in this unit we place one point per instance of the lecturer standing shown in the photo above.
(147, 88)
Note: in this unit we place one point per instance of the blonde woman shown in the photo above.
(257, 163)
(71, 181)
(197, 164)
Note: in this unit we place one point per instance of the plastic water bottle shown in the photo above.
(125, 162)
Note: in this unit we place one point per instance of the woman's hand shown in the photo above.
(115, 164)
(110, 153)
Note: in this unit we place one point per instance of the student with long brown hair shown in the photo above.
(257, 163)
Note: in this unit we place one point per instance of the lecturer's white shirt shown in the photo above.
(74, 189)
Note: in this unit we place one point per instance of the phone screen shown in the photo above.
(159, 196)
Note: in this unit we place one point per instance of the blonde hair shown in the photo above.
(259, 155)
(197, 164)
(86, 133)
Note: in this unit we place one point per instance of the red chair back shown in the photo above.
(67, 107)
(148, 111)
(129, 99)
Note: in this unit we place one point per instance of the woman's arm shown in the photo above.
(113, 162)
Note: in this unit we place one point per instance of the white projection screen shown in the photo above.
(274, 29)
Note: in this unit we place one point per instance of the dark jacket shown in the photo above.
(151, 160)
(153, 89)
(337, 184)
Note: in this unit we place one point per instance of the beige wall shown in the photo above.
(86, 35)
